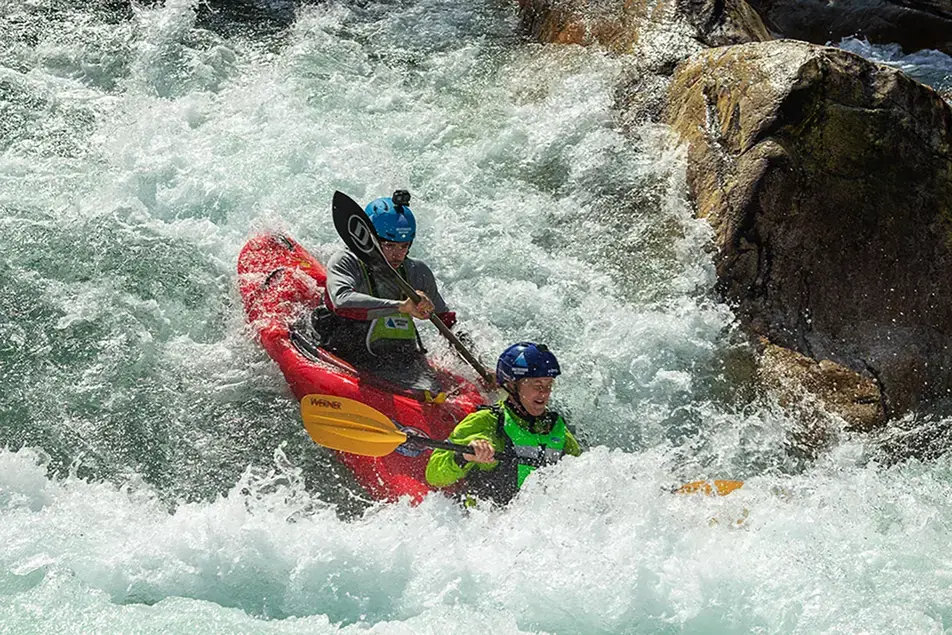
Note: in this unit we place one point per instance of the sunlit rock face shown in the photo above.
(800, 382)
(828, 182)
(825, 177)
(624, 26)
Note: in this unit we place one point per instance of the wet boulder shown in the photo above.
(828, 182)
(914, 24)
(813, 387)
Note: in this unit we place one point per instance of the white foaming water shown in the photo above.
(930, 67)
(145, 154)
(595, 546)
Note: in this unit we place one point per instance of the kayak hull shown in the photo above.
(280, 284)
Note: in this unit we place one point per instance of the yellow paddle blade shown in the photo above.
(349, 426)
(710, 488)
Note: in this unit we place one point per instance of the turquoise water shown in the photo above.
(156, 477)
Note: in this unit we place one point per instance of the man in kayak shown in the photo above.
(365, 316)
(520, 426)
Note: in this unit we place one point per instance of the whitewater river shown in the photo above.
(156, 477)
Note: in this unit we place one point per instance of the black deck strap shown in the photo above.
(283, 240)
(271, 276)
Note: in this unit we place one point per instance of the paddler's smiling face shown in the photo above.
(395, 253)
(534, 394)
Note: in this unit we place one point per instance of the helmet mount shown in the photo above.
(400, 198)
(392, 217)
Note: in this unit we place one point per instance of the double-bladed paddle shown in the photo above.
(354, 427)
(351, 426)
(359, 235)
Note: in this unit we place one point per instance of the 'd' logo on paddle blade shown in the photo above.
(361, 233)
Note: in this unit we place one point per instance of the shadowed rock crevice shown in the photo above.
(836, 173)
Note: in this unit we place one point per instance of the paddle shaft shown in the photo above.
(347, 425)
(359, 235)
(716, 487)
(446, 445)
(441, 326)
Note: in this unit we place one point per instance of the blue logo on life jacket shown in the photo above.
(397, 323)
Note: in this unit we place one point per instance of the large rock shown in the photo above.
(914, 24)
(667, 30)
(794, 378)
(657, 35)
(828, 181)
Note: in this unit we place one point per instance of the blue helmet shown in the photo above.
(526, 359)
(392, 218)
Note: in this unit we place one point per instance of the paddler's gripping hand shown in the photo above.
(483, 452)
(421, 310)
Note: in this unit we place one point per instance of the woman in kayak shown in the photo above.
(520, 426)
(364, 316)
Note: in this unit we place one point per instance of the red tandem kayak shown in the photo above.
(280, 283)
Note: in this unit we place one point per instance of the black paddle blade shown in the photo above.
(361, 238)
(358, 232)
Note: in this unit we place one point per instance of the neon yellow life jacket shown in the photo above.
(533, 450)
(527, 452)
(388, 332)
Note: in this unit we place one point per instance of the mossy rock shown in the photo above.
(828, 181)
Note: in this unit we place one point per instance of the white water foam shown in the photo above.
(597, 545)
(930, 67)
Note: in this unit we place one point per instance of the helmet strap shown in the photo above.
(516, 402)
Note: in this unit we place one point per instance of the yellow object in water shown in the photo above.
(710, 488)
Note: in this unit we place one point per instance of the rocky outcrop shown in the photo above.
(657, 35)
(914, 24)
(795, 378)
(828, 182)
(657, 28)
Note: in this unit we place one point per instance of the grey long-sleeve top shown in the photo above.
(348, 293)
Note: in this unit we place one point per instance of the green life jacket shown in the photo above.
(527, 452)
(390, 332)
(533, 450)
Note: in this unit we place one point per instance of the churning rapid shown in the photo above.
(156, 477)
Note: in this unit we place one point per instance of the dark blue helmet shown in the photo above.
(392, 217)
(526, 359)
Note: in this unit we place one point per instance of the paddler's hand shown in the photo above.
(484, 452)
(421, 310)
